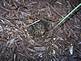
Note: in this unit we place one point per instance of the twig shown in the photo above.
(33, 23)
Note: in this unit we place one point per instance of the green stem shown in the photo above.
(63, 20)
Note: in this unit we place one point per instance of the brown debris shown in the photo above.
(25, 31)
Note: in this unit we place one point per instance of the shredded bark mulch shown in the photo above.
(27, 30)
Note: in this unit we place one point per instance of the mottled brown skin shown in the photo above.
(39, 29)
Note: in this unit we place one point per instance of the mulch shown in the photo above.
(25, 30)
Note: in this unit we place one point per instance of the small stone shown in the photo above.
(71, 49)
(54, 38)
